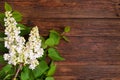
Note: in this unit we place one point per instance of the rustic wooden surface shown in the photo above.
(94, 50)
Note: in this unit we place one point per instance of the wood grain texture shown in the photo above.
(79, 27)
(66, 8)
(91, 50)
(94, 49)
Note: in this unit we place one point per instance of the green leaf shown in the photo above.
(8, 7)
(2, 48)
(2, 16)
(2, 73)
(65, 38)
(49, 78)
(31, 75)
(44, 46)
(54, 54)
(17, 16)
(2, 34)
(50, 42)
(8, 77)
(1, 39)
(22, 27)
(2, 59)
(53, 31)
(5, 70)
(52, 69)
(12, 70)
(67, 29)
(40, 69)
(55, 36)
(24, 30)
(25, 73)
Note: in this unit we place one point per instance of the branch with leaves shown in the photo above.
(27, 59)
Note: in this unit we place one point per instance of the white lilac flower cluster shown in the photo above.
(33, 48)
(19, 51)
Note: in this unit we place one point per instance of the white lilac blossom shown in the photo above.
(19, 52)
(14, 42)
(33, 48)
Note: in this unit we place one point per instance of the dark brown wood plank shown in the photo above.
(75, 78)
(91, 50)
(93, 58)
(18, 0)
(90, 72)
(87, 58)
(66, 8)
(66, 78)
(79, 27)
(94, 50)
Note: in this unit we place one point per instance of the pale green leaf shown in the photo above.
(17, 16)
(54, 54)
(44, 46)
(40, 69)
(31, 75)
(49, 78)
(53, 31)
(8, 7)
(25, 73)
(7, 68)
(55, 36)
(24, 29)
(6, 72)
(52, 69)
(67, 29)
(50, 42)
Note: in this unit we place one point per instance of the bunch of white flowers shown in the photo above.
(19, 52)
(33, 48)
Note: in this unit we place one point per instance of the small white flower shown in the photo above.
(8, 14)
(33, 64)
(6, 56)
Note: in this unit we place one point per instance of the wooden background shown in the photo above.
(94, 50)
